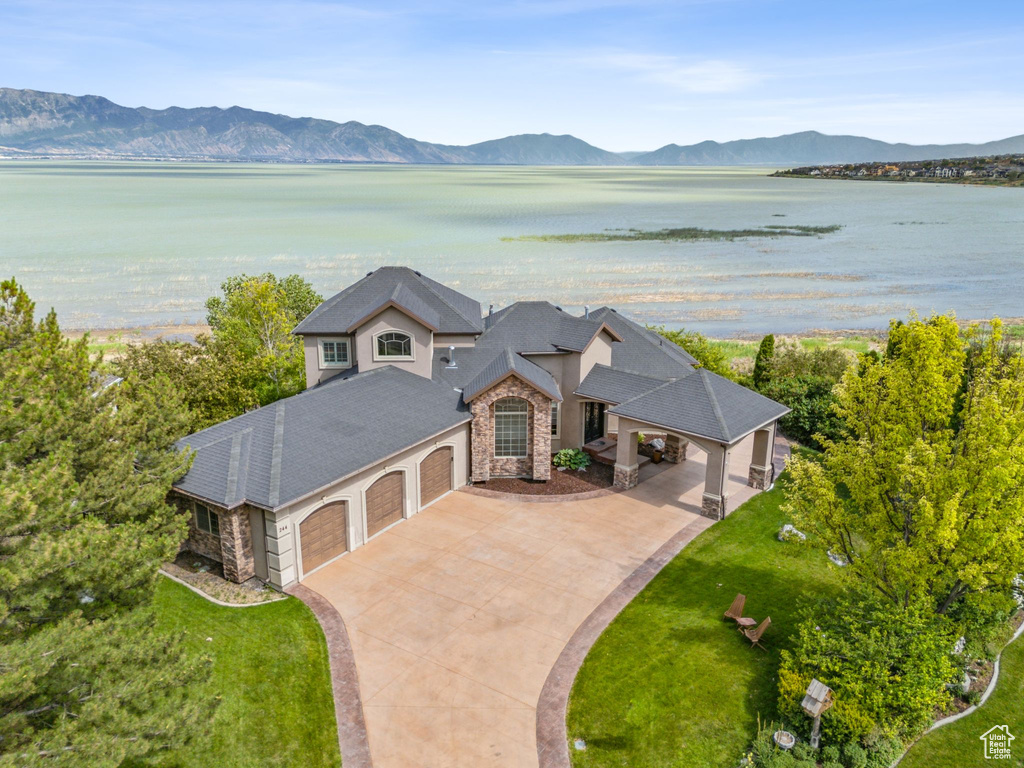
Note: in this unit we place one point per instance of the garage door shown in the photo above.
(385, 501)
(435, 475)
(324, 535)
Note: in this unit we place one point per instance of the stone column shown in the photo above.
(541, 440)
(675, 449)
(627, 471)
(714, 502)
(762, 468)
(481, 438)
(236, 546)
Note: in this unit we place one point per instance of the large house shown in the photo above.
(413, 392)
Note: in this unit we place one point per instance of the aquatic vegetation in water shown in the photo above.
(683, 234)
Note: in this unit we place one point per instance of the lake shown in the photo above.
(116, 245)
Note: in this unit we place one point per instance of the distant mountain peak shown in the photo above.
(39, 123)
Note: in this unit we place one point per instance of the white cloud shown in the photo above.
(707, 76)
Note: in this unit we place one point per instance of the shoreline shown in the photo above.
(189, 331)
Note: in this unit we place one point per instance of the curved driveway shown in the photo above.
(457, 615)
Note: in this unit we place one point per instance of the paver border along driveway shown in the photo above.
(457, 615)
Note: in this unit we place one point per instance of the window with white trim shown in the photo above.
(335, 353)
(207, 520)
(554, 418)
(510, 428)
(394, 344)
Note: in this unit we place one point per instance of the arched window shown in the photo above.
(510, 428)
(394, 344)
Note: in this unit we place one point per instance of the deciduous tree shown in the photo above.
(925, 496)
(701, 349)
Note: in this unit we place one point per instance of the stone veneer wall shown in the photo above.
(537, 464)
(233, 549)
(675, 449)
(202, 543)
(760, 477)
(236, 545)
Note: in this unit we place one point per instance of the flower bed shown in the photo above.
(207, 576)
(593, 478)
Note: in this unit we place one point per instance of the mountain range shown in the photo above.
(37, 123)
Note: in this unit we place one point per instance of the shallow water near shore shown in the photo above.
(120, 245)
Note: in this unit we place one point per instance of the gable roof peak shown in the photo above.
(443, 308)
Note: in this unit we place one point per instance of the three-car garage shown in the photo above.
(357, 509)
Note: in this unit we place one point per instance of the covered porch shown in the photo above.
(727, 474)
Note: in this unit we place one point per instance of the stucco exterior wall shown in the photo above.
(315, 373)
(599, 352)
(445, 340)
(284, 558)
(393, 319)
(555, 365)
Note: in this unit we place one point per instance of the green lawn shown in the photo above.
(670, 683)
(736, 349)
(271, 671)
(957, 745)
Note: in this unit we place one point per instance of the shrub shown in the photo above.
(854, 755)
(791, 361)
(802, 379)
(887, 666)
(830, 754)
(811, 402)
(803, 751)
(884, 752)
(573, 458)
(831, 764)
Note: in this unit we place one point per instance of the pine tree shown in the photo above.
(764, 361)
(85, 678)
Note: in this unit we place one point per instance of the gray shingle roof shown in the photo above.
(404, 299)
(455, 313)
(282, 452)
(539, 327)
(703, 404)
(615, 386)
(508, 362)
(642, 350)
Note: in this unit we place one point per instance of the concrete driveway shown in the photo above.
(457, 615)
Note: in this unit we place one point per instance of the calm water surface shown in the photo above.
(130, 244)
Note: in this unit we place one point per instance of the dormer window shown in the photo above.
(394, 345)
(335, 353)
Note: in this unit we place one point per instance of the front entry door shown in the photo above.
(593, 422)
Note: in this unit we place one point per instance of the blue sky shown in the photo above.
(622, 75)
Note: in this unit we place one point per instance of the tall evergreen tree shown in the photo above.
(85, 468)
(764, 361)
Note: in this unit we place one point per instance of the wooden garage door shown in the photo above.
(385, 501)
(435, 475)
(323, 535)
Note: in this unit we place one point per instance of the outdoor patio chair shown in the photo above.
(735, 611)
(754, 635)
